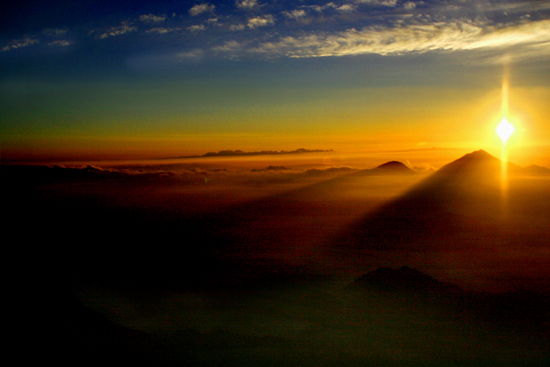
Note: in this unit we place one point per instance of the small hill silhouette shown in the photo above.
(521, 310)
(388, 168)
(403, 279)
(394, 167)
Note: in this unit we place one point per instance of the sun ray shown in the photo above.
(504, 130)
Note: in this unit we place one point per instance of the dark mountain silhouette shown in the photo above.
(521, 309)
(537, 170)
(482, 163)
(403, 279)
(438, 206)
(471, 162)
(388, 168)
(478, 168)
(458, 214)
(394, 167)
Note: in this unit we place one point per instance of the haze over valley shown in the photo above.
(285, 263)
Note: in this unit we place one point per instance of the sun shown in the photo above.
(505, 130)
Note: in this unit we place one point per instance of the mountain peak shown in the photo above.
(484, 163)
(478, 161)
(478, 154)
(394, 166)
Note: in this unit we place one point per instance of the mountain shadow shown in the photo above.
(458, 217)
(464, 193)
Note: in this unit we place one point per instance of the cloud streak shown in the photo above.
(201, 8)
(196, 28)
(161, 30)
(123, 28)
(295, 14)
(246, 4)
(261, 21)
(151, 18)
(388, 3)
(62, 43)
(20, 43)
(327, 29)
(412, 38)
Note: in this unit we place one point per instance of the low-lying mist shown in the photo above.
(210, 263)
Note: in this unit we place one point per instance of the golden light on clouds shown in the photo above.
(529, 39)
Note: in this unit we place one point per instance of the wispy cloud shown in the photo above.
(384, 27)
(237, 27)
(261, 21)
(390, 3)
(201, 8)
(150, 18)
(161, 30)
(229, 46)
(20, 43)
(190, 56)
(246, 4)
(196, 28)
(409, 5)
(346, 8)
(123, 28)
(508, 6)
(321, 8)
(62, 43)
(54, 32)
(412, 38)
(295, 14)
(233, 50)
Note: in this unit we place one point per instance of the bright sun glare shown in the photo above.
(505, 130)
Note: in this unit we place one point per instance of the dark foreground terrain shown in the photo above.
(282, 267)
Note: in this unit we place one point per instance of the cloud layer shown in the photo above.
(322, 29)
(412, 38)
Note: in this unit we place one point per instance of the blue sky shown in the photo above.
(145, 36)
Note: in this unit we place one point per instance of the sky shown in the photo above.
(149, 79)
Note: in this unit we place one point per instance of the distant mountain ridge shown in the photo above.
(537, 170)
(230, 153)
